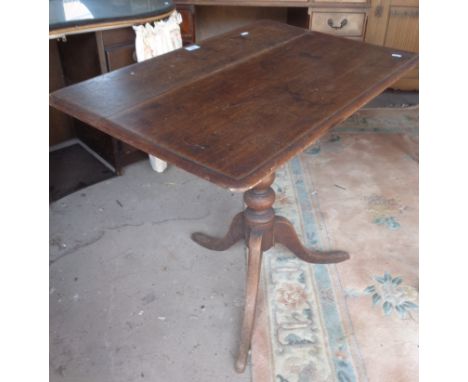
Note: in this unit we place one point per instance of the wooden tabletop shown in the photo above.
(241, 104)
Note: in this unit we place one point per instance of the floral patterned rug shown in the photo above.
(355, 321)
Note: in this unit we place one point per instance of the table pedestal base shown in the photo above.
(261, 229)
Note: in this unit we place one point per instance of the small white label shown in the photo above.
(192, 47)
(397, 55)
(243, 34)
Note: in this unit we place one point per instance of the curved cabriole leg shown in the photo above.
(253, 278)
(286, 235)
(236, 233)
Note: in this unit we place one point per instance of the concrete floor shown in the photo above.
(132, 298)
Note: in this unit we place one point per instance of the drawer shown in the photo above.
(348, 24)
(120, 56)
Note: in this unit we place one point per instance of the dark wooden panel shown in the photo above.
(120, 56)
(60, 125)
(187, 28)
(212, 21)
(118, 36)
(299, 17)
(81, 62)
(79, 58)
(97, 140)
(238, 107)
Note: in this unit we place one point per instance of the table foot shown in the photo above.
(253, 278)
(285, 234)
(236, 233)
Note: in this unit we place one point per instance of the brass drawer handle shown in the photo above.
(342, 24)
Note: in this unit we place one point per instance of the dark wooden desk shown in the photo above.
(234, 110)
(97, 37)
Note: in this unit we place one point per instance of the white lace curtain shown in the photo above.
(152, 41)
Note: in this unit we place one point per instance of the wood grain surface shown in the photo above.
(238, 107)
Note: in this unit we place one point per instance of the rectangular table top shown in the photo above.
(240, 105)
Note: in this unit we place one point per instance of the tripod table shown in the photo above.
(233, 109)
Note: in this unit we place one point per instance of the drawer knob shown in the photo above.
(332, 24)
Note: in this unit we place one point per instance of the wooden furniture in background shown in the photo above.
(87, 51)
(188, 108)
(61, 126)
(395, 24)
(390, 23)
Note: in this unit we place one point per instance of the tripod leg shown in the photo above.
(236, 232)
(253, 278)
(285, 234)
